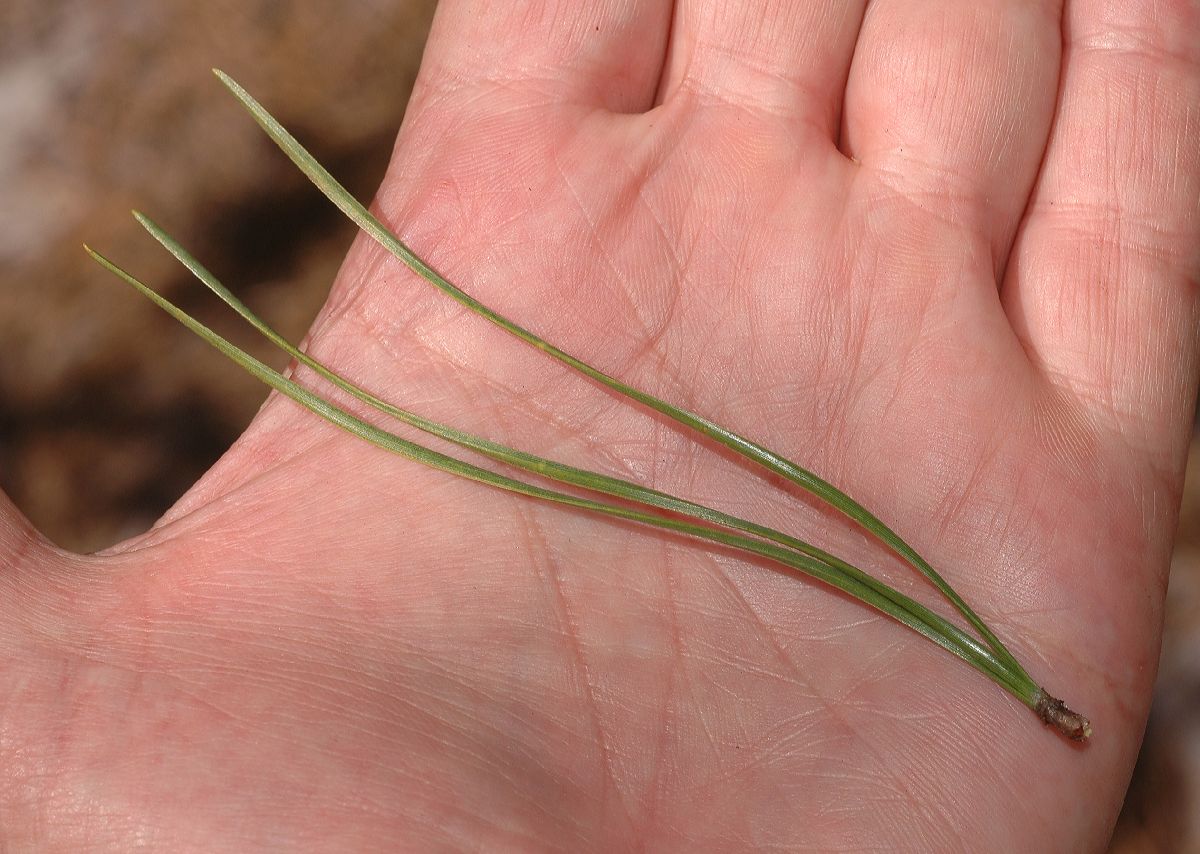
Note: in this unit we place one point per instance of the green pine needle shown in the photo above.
(741, 445)
(990, 656)
(590, 480)
(895, 604)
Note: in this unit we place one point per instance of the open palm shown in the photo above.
(943, 254)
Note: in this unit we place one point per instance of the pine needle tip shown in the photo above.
(1054, 713)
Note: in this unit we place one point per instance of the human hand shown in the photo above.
(955, 276)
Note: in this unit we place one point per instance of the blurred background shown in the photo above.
(108, 412)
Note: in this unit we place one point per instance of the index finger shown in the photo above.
(1102, 287)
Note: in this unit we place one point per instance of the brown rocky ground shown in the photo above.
(107, 413)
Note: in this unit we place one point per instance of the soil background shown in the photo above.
(108, 412)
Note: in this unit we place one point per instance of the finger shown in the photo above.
(781, 56)
(1103, 288)
(19, 541)
(606, 53)
(951, 102)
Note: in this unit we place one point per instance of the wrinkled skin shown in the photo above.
(942, 253)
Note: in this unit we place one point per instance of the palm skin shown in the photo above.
(323, 646)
